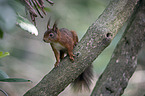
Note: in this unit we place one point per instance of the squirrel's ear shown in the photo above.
(48, 24)
(55, 26)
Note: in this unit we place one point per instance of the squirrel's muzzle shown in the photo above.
(44, 40)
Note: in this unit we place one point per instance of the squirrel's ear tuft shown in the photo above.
(55, 26)
(48, 24)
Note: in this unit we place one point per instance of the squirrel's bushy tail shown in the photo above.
(83, 81)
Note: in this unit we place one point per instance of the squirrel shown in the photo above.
(63, 41)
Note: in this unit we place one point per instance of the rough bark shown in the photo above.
(123, 63)
(96, 39)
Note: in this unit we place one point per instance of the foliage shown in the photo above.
(14, 7)
(7, 22)
(31, 5)
(4, 54)
(1, 34)
(26, 25)
(5, 78)
(9, 17)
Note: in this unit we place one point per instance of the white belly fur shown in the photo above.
(58, 46)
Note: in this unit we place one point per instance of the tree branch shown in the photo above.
(123, 63)
(96, 39)
(31, 5)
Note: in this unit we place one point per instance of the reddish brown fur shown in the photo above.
(62, 41)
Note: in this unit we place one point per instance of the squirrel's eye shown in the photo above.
(51, 34)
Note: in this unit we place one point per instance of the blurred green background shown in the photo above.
(31, 58)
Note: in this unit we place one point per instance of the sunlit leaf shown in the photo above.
(26, 25)
(4, 54)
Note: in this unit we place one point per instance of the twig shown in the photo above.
(33, 5)
(4, 92)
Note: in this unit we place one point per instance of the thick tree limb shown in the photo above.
(96, 39)
(123, 63)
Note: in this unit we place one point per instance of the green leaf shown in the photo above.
(1, 34)
(26, 25)
(4, 54)
(47, 9)
(5, 78)
(15, 80)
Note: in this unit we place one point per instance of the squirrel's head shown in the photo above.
(51, 35)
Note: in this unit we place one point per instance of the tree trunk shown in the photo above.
(123, 63)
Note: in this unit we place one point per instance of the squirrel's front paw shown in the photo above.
(56, 64)
(72, 57)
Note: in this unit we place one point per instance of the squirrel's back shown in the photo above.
(71, 34)
(66, 31)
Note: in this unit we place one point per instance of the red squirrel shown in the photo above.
(63, 41)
